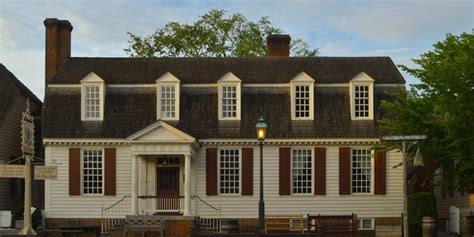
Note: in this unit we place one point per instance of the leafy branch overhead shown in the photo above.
(441, 107)
(213, 35)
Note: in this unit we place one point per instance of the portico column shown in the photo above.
(187, 185)
(134, 184)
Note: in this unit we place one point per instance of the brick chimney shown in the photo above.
(278, 45)
(58, 45)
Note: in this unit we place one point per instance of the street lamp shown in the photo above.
(261, 129)
(418, 162)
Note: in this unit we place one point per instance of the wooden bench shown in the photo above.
(333, 224)
(284, 223)
(143, 224)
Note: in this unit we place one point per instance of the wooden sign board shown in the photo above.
(12, 171)
(46, 172)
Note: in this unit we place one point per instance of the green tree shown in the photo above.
(212, 35)
(442, 107)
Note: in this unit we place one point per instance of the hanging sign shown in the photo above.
(27, 132)
(12, 171)
(46, 172)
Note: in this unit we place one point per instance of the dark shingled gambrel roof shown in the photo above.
(209, 70)
(129, 110)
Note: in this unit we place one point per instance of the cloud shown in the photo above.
(391, 21)
(400, 29)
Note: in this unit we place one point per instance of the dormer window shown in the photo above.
(167, 97)
(92, 101)
(302, 97)
(92, 98)
(229, 97)
(362, 97)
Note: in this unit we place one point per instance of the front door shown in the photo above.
(167, 181)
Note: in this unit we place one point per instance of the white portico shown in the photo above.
(161, 169)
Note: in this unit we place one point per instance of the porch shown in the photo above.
(162, 186)
(161, 170)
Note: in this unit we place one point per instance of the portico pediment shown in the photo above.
(161, 132)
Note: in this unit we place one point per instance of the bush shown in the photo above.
(420, 205)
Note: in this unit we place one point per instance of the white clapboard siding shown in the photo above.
(236, 206)
(59, 204)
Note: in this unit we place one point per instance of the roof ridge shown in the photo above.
(228, 58)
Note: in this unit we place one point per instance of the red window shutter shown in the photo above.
(247, 171)
(380, 171)
(285, 171)
(211, 171)
(320, 171)
(74, 171)
(109, 165)
(344, 170)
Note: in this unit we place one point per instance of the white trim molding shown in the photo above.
(229, 80)
(293, 142)
(168, 80)
(302, 79)
(92, 80)
(362, 79)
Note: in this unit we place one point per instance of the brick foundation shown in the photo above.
(173, 228)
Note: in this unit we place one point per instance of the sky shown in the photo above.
(400, 29)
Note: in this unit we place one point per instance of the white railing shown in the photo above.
(213, 219)
(161, 203)
(113, 215)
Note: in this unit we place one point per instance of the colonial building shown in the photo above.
(176, 136)
(13, 100)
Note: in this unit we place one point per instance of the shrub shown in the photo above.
(420, 205)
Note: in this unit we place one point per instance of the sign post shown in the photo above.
(404, 148)
(28, 150)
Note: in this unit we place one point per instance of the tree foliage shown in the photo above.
(442, 107)
(213, 35)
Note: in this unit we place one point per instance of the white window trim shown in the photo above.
(372, 171)
(219, 171)
(312, 171)
(362, 79)
(82, 171)
(302, 79)
(92, 79)
(372, 224)
(229, 79)
(168, 79)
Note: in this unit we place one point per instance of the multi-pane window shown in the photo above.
(361, 171)
(301, 171)
(302, 98)
(229, 171)
(168, 101)
(92, 102)
(92, 171)
(361, 101)
(229, 101)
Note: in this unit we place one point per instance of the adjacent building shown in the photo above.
(13, 102)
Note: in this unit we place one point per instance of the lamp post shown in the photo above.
(261, 128)
(404, 149)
